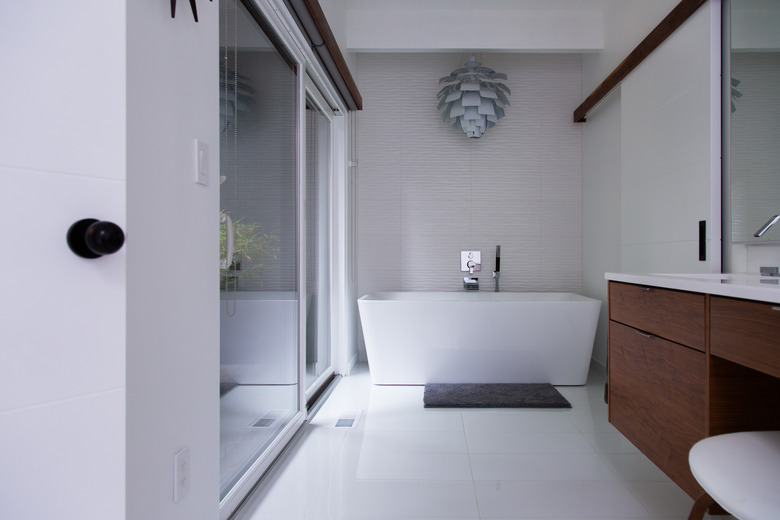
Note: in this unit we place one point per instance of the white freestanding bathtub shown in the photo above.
(414, 338)
(259, 342)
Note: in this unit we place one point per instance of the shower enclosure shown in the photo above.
(275, 177)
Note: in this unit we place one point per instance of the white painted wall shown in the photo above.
(497, 30)
(172, 271)
(336, 14)
(601, 209)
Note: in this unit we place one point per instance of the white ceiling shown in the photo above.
(545, 5)
(474, 25)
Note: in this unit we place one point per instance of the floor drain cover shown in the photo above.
(347, 418)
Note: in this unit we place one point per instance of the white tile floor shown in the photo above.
(402, 461)
(240, 441)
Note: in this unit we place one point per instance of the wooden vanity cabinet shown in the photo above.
(744, 365)
(746, 332)
(683, 366)
(657, 372)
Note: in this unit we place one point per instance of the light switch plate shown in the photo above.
(201, 162)
(467, 256)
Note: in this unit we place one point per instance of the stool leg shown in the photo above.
(700, 507)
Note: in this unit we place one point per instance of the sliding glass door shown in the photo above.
(260, 246)
(275, 265)
(318, 241)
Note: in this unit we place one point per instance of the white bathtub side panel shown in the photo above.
(258, 344)
(488, 342)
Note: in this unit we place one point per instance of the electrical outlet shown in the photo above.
(181, 474)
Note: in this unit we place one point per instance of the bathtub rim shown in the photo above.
(477, 296)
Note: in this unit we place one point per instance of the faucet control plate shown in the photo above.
(470, 261)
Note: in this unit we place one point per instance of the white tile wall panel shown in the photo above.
(668, 178)
(62, 329)
(681, 257)
(76, 460)
(56, 93)
(671, 199)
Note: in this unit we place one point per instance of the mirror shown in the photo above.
(754, 115)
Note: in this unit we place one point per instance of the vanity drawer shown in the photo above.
(675, 315)
(746, 332)
(657, 398)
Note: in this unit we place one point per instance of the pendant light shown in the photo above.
(474, 100)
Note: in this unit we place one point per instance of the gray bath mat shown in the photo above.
(493, 395)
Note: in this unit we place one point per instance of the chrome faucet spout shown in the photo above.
(768, 224)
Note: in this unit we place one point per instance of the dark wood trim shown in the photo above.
(657, 36)
(330, 43)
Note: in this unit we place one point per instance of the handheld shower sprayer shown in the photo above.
(497, 272)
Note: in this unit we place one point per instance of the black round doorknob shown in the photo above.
(92, 238)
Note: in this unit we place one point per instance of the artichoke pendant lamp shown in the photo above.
(474, 99)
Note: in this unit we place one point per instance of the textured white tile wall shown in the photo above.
(426, 191)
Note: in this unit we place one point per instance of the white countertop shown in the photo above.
(746, 286)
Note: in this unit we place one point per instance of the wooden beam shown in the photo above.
(657, 36)
(330, 43)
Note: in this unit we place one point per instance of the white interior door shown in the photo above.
(62, 352)
(62, 317)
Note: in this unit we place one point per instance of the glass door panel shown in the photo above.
(318, 225)
(259, 285)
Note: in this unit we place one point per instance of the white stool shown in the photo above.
(741, 472)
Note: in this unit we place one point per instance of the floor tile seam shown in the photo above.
(471, 466)
(607, 480)
(323, 480)
(417, 480)
(603, 457)
(273, 476)
(313, 508)
(546, 451)
(645, 516)
(640, 500)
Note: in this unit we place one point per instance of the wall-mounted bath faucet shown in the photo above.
(768, 224)
(471, 283)
(497, 272)
(471, 261)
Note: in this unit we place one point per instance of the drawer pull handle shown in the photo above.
(648, 336)
(647, 289)
(775, 308)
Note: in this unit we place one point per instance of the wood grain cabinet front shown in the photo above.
(683, 366)
(675, 315)
(657, 370)
(657, 398)
(746, 332)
